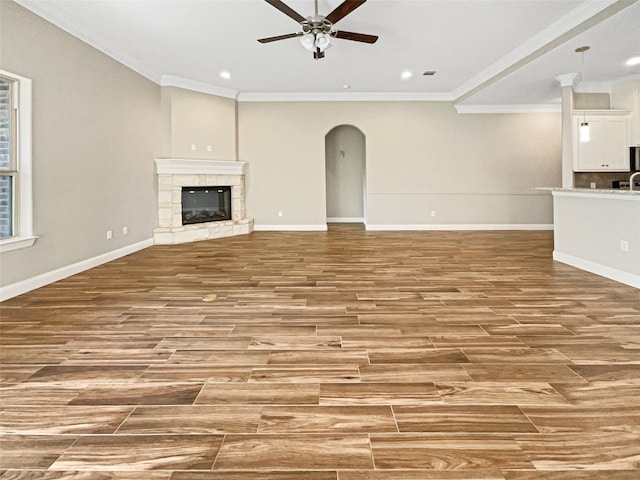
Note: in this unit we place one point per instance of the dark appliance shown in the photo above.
(634, 157)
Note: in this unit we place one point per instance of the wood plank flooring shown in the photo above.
(339, 355)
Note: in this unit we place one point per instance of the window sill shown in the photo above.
(16, 243)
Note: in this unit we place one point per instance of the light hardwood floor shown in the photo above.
(339, 355)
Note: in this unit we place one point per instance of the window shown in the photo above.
(16, 229)
(8, 168)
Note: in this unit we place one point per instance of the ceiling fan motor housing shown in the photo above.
(316, 24)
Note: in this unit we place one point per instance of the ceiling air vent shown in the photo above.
(429, 73)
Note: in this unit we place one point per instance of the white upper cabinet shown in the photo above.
(608, 148)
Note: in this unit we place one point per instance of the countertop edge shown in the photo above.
(593, 193)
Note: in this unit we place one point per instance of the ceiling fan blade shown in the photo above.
(356, 37)
(344, 9)
(280, 37)
(287, 10)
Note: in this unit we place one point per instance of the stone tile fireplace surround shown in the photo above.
(175, 173)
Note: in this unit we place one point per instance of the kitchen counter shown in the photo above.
(593, 191)
(598, 230)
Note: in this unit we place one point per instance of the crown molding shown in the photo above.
(628, 78)
(196, 86)
(593, 87)
(567, 79)
(605, 87)
(345, 97)
(541, 108)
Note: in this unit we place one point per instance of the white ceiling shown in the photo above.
(485, 52)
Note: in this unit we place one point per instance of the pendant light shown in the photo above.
(584, 125)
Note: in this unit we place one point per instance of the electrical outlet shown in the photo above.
(125, 230)
(280, 213)
(193, 147)
(209, 148)
(109, 234)
(433, 213)
(624, 246)
(593, 184)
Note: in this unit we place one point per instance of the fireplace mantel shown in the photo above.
(175, 173)
(186, 166)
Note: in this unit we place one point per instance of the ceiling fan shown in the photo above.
(317, 30)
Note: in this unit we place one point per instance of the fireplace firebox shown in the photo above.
(206, 204)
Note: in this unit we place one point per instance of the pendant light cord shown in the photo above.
(584, 95)
(584, 126)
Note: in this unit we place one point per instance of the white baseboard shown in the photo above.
(345, 220)
(289, 228)
(24, 286)
(471, 226)
(599, 269)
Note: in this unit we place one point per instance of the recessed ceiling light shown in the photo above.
(406, 75)
(633, 61)
(226, 75)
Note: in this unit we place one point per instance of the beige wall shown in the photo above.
(421, 157)
(595, 101)
(95, 132)
(195, 118)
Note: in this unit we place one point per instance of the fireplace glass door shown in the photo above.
(206, 204)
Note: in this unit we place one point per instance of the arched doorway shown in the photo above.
(345, 165)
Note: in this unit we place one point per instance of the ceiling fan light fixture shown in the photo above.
(308, 41)
(323, 41)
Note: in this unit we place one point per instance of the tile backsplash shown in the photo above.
(602, 179)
